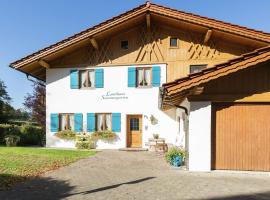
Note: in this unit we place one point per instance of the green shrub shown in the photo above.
(83, 145)
(8, 129)
(173, 152)
(28, 133)
(66, 135)
(20, 122)
(85, 141)
(103, 135)
(31, 135)
(155, 135)
(11, 140)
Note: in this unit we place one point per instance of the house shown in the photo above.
(198, 82)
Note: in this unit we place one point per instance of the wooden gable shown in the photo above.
(147, 46)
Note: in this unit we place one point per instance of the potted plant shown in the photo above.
(66, 135)
(85, 141)
(155, 136)
(175, 156)
(106, 136)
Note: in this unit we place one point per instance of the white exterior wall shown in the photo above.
(61, 99)
(200, 136)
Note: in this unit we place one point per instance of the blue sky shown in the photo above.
(27, 26)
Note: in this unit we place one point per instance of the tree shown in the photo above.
(4, 97)
(6, 110)
(21, 115)
(35, 103)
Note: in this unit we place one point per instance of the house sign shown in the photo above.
(114, 96)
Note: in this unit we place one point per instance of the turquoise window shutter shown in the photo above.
(78, 122)
(156, 76)
(99, 78)
(91, 122)
(54, 122)
(74, 79)
(116, 122)
(132, 77)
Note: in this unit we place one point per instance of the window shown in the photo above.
(143, 77)
(173, 42)
(134, 124)
(87, 78)
(196, 68)
(66, 122)
(104, 122)
(124, 44)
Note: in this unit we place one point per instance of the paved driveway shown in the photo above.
(138, 175)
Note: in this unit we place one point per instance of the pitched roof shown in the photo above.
(177, 90)
(142, 9)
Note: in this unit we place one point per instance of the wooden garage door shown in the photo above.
(241, 137)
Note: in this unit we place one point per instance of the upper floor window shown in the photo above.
(66, 121)
(87, 78)
(173, 42)
(124, 44)
(143, 77)
(196, 68)
(104, 121)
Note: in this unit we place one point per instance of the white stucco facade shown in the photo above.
(199, 136)
(60, 98)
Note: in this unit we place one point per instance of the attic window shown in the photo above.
(173, 42)
(196, 68)
(124, 44)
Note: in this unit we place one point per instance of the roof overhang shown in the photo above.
(31, 63)
(175, 92)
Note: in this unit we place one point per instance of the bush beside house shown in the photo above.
(29, 134)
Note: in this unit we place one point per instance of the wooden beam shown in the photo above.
(148, 21)
(207, 36)
(94, 43)
(44, 64)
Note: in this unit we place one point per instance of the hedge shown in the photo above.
(28, 133)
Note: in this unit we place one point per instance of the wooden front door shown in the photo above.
(134, 131)
(241, 137)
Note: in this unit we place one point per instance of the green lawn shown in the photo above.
(19, 163)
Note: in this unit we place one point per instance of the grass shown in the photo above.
(19, 163)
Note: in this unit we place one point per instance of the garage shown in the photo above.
(241, 136)
(229, 113)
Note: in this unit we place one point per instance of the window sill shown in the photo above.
(144, 87)
(88, 88)
(173, 47)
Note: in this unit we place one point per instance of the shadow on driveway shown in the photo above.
(47, 188)
(114, 186)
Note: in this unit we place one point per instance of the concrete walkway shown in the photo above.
(138, 175)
